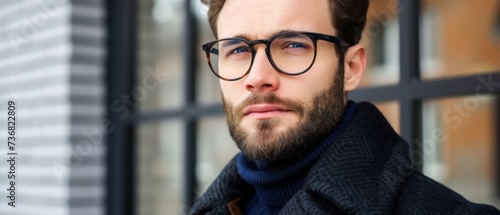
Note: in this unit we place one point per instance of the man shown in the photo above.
(285, 68)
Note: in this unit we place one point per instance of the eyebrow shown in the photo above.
(247, 37)
(228, 43)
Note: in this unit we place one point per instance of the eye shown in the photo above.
(238, 50)
(296, 45)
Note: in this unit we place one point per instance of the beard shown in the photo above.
(314, 125)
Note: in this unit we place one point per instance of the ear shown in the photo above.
(355, 65)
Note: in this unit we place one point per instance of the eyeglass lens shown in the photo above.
(291, 53)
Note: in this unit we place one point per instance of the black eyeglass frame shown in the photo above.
(341, 44)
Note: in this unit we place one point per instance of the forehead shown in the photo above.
(260, 19)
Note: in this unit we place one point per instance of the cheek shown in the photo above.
(315, 84)
(326, 65)
(231, 92)
(322, 77)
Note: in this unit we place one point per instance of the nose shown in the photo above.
(262, 77)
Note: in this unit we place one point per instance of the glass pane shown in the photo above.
(160, 64)
(391, 112)
(381, 39)
(159, 168)
(458, 145)
(208, 89)
(459, 38)
(215, 150)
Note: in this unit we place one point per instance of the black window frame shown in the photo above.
(121, 186)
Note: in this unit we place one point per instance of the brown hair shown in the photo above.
(348, 17)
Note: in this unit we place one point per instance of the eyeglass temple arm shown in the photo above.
(212, 50)
(336, 40)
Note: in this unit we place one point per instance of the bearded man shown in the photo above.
(285, 69)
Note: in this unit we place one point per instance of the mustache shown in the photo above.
(269, 98)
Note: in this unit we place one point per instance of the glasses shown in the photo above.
(291, 53)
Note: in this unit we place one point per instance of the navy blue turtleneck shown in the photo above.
(275, 183)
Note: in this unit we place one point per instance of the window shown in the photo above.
(425, 67)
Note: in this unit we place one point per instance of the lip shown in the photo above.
(264, 110)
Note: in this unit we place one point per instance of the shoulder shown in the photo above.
(422, 194)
